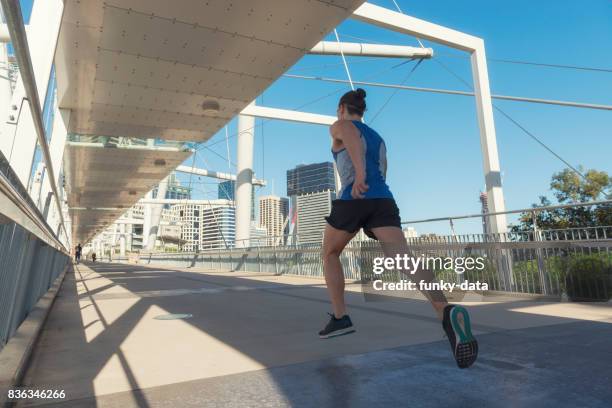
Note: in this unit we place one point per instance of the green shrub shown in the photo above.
(589, 278)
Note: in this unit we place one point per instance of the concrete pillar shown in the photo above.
(146, 224)
(122, 239)
(156, 211)
(244, 179)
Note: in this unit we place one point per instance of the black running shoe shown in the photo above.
(463, 344)
(337, 327)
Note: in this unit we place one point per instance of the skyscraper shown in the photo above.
(311, 178)
(206, 226)
(226, 190)
(312, 209)
(273, 212)
(218, 225)
(311, 188)
(175, 190)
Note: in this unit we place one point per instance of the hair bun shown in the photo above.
(360, 92)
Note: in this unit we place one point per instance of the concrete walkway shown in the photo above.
(252, 341)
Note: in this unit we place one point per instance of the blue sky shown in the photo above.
(435, 163)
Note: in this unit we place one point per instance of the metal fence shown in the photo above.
(549, 263)
(28, 268)
(29, 263)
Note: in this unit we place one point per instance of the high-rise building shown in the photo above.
(311, 212)
(218, 225)
(259, 235)
(226, 190)
(206, 226)
(175, 190)
(311, 178)
(273, 212)
(410, 232)
(311, 188)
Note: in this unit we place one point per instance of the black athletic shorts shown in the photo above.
(366, 213)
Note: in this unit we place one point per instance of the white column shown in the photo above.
(43, 30)
(122, 239)
(156, 211)
(244, 178)
(488, 139)
(146, 224)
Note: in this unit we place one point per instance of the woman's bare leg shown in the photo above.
(334, 241)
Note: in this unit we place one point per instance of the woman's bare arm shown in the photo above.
(346, 132)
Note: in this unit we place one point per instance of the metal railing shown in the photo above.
(31, 256)
(579, 267)
(573, 261)
(28, 268)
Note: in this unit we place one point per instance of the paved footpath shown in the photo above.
(252, 341)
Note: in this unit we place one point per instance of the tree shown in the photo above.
(569, 187)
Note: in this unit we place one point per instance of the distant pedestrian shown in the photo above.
(77, 252)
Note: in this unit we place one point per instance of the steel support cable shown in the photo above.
(395, 91)
(500, 60)
(521, 127)
(320, 98)
(401, 12)
(348, 72)
(531, 63)
(568, 104)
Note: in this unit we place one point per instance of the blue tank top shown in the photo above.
(375, 161)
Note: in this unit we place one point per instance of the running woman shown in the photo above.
(365, 201)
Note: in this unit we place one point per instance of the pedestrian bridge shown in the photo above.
(250, 339)
(103, 100)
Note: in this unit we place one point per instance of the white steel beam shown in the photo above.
(402, 23)
(41, 38)
(398, 22)
(173, 201)
(288, 115)
(214, 174)
(370, 50)
(34, 66)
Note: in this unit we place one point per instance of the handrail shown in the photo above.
(524, 210)
(22, 212)
(19, 39)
